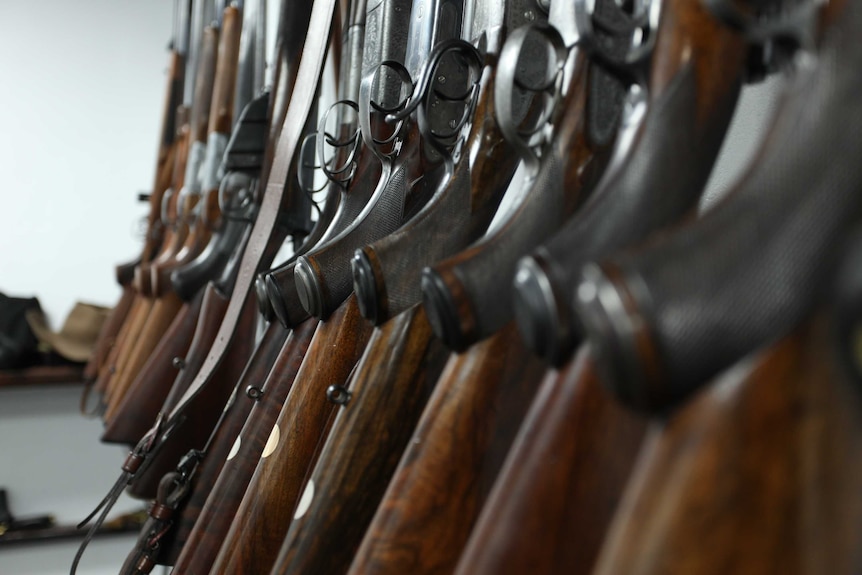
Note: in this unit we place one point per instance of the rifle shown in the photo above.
(242, 164)
(219, 126)
(164, 167)
(197, 96)
(457, 294)
(308, 75)
(482, 395)
(754, 240)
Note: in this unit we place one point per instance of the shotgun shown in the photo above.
(198, 95)
(697, 68)
(664, 337)
(242, 165)
(164, 167)
(402, 361)
(219, 125)
(457, 292)
(751, 475)
(275, 486)
(308, 76)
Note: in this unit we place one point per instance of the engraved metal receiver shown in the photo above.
(323, 278)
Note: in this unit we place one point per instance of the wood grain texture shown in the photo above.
(393, 382)
(159, 320)
(204, 410)
(108, 333)
(125, 344)
(561, 483)
(147, 392)
(758, 473)
(279, 354)
(213, 507)
(450, 463)
(263, 517)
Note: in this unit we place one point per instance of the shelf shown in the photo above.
(129, 523)
(42, 375)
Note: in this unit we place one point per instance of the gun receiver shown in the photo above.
(387, 274)
(754, 265)
(355, 168)
(696, 76)
(243, 162)
(462, 305)
(323, 277)
(181, 204)
(200, 211)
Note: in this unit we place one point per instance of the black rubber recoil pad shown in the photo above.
(365, 285)
(444, 315)
(309, 288)
(283, 297)
(542, 315)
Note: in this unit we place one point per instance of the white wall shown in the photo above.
(81, 90)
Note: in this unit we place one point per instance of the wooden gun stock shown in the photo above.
(387, 273)
(281, 286)
(466, 296)
(108, 335)
(263, 516)
(561, 482)
(377, 415)
(159, 319)
(140, 406)
(448, 467)
(705, 296)
(237, 448)
(697, 70)
(752, 475)
(204, 410)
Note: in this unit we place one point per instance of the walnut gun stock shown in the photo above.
(462, 304)
(665, 319)
(696, 76)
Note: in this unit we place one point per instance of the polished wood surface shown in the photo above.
(263, 517)
(393, 382)
(450, 463)
(147, 392)
(204, 410)
(212, 506)
(159, 320)
(561, 483)
(758, 473)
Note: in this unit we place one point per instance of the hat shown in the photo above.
(77, 338)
